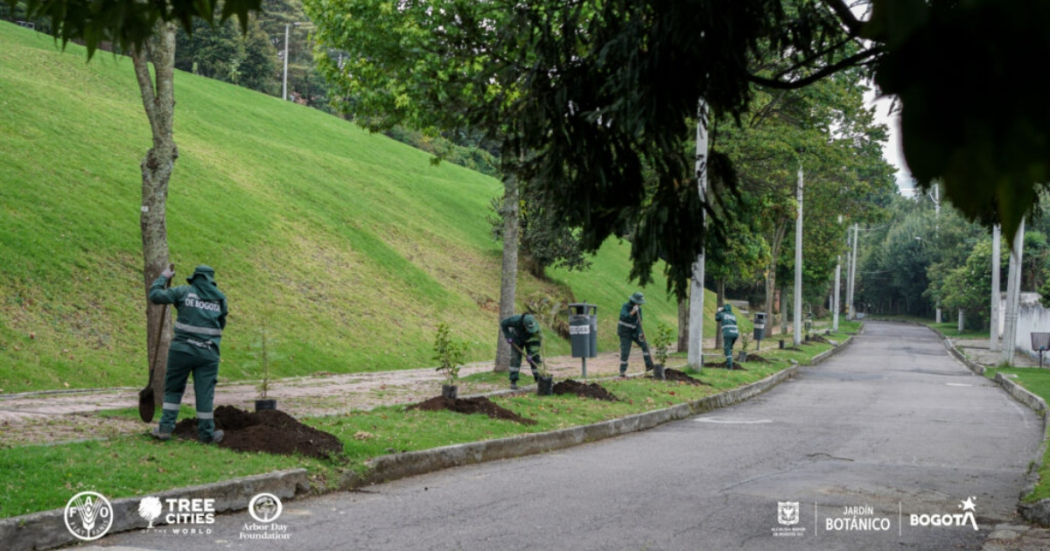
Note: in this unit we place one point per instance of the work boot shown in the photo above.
(216, 437)
(513, 385)
(159, 434)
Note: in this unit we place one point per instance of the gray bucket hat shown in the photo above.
(638, 298)
(207, 271)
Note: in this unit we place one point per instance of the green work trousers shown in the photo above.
(515, 362)
(625, 351)
(205, 373)
(728, 342)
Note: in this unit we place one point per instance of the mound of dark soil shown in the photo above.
(722, 365)
(818, 338)
(480, 404)
(677, 376)
(757, 358)
(265, 431)
(593, 390)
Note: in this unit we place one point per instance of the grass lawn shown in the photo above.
(348, 248)
(38, 478)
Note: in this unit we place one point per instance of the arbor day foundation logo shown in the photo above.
(88, 516)
(265, 509)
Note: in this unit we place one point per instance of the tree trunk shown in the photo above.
(683, 325)
(158, 99)
(509, 274)
(771, 272)
(783, 312)
(719, 303)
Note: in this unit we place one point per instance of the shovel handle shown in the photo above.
(160, 332)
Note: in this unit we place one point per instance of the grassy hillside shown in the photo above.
(348, 248)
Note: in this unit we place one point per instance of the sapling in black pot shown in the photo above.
(448, 353)
(263, 355)
(661, 349)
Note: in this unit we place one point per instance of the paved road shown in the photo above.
(892, 427)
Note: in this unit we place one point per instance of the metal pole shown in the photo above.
(696, 290)
(585, 367)
(997, 290)
(797, 321)
(284, 85)
(1013, 296)
(835, 303)
(853, 270)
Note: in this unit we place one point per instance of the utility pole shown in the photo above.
(798, 265)
(284, 84)
(853, 275)
(835, 303)
(1013, 297)
(696, 289)
(997, 290)
(936, 226)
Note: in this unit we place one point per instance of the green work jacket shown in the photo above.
(202, 315)
(630, 325)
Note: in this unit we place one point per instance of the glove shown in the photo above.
(510, 342)
(169, 272)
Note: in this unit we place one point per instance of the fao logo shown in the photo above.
(787, 512)
(88, 516)
(265, 508)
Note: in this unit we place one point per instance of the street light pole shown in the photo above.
(997, 290)
(797, 322)
(852, 275)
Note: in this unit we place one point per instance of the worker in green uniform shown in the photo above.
(729, 332)
(630, 329)
(522, 333)
(194, 348)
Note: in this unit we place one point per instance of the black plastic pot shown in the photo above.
(545, 385)
(742, 357)
(658, 372)
(449, 391)
(262, 405)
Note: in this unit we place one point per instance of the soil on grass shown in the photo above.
(757, 358)
(269, 431)
(674, 375)
(593, 390)
(818, 338)
(480, 404)
(722, 365)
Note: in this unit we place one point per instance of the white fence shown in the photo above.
(1031, 317)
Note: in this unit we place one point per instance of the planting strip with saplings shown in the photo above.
(43, 478)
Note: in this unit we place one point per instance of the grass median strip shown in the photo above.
(39, 478)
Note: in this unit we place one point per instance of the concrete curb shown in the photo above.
(46, 530)
(395, 466)
(1039, 511)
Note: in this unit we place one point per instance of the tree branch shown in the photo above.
(826, 71)
(845, 15)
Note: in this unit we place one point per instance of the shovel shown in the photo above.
(147, 401)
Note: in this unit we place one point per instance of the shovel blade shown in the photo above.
(147, 404)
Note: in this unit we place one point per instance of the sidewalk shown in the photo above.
(63, 416)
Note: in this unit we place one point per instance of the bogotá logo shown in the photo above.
(265, 508)
(88, 516)
(957, 519)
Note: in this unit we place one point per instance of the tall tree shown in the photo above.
(147, 31)
(427, 65)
